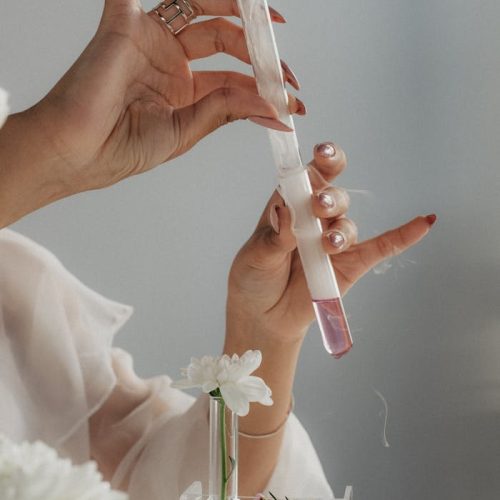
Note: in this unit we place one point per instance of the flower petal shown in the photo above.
(235, 399)
(184, 383)
(209, 386)
(255, 390)
(251, 360)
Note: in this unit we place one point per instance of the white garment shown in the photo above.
(57, 368)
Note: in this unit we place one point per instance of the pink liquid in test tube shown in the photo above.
(333, 325)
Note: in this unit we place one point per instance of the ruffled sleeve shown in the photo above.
(55, 347)
(62, 382)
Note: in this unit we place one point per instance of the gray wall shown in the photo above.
(411, 92)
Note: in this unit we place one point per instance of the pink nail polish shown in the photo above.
(301, 107)
(290, 76)
(270, 123)
(337, 239)
(274, 218)
(326, 200)
(326, 150)
(276, 16)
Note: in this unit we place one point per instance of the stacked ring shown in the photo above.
(175, 15)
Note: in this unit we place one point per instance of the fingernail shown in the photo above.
(337, 239)
(276, 16)
(326, 150)
(274, 218)
(326, 200)
(290, 75)
(301, 107)
(431, 219)
(270, 123)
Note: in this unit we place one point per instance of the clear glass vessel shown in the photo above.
(223, 460)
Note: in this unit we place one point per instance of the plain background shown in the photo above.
(411, 91)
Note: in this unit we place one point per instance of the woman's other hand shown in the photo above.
(267, 288)
(131, 101)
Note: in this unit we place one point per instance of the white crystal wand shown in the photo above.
(295, 186)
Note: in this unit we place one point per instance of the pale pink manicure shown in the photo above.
(290, 76)
(326, 150)
(301, 107)
(270, 123)
(337, 239)
(326, 200)
(276, 16)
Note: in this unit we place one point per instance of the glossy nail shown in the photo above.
(290, 75)
(431, 219)
(326, 200)
(326, 150)
(301, 107)
(276, 16)
(337, 239)
(270, 123)
(274, 218)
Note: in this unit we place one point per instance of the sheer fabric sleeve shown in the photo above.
(55, 347)
(63, 383)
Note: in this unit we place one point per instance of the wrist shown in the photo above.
(31, 171)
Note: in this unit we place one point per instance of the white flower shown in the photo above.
(4, 106)
(232, 376)
(33, 471)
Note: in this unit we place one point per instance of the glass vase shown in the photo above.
(223, 460)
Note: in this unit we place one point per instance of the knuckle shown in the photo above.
(385, 246)
(401, 241)
(222, 101)
(343, 197)
(351, 229)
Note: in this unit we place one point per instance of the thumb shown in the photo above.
(220, 107)
(273, 240)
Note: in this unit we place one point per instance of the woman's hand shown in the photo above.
(269, 306)
(131, 101)
(267, 287)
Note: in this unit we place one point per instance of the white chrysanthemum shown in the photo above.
(4, 106)
(34, 471)
(232, 376)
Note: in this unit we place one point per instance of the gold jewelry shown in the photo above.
(175, 15)
(276, 431)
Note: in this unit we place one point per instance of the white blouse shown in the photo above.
(58, 369)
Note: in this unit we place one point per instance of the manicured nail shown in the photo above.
(276, 16)
(301, 107)
(326, 150)
(337, 239)
(270, 123)
(274, 218)
(326, 200)
(431, 219)
(290, 75)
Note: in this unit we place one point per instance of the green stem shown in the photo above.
(223, 446)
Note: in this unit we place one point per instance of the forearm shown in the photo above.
(258, 457)
(30, 172)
